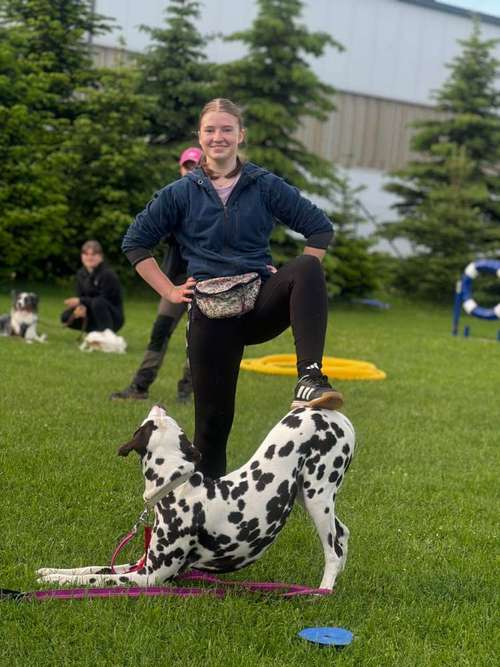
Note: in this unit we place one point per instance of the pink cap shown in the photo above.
(191, 154)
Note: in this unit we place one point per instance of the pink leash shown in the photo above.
(219, 591)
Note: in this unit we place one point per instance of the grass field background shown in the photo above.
(420, 499)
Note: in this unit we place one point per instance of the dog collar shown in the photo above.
(164, 490)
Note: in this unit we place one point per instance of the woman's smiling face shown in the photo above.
(219, 136)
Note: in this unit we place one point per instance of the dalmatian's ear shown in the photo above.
(139, 441)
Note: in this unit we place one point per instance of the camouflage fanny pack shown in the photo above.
(229, 296)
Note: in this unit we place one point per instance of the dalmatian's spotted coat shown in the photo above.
(225, 524)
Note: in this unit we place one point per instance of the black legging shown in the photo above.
(295, 295)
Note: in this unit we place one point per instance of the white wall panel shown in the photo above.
(393, 49)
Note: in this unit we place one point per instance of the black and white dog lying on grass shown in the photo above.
(23, 318)
(225, 524)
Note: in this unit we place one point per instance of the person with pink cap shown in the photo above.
(169, 315)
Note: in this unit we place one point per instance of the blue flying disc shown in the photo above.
(327, 636)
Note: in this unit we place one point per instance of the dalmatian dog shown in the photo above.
(225, 524)
(23, 318)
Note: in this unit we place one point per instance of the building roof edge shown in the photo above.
(452, 9)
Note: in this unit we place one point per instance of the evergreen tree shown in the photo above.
(351, 267)
(450, 197)
(56, 31)
(83, 143)
(448, 230)
(277, 89)
(32, 164)
(109, 172)
(175, 73)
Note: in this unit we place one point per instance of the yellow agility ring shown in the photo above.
(339, 369)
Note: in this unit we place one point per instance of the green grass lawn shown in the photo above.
(419, 587)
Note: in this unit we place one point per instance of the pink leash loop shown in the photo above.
(130, 536)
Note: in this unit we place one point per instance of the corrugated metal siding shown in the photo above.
(365, 132)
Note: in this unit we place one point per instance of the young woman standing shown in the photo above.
(222, 215)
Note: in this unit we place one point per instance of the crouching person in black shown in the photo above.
(98, 304)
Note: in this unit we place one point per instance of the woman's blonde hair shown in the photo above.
(224, 105)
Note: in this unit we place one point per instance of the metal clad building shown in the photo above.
(395, 56)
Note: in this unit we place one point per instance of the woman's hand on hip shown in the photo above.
(182, 293)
